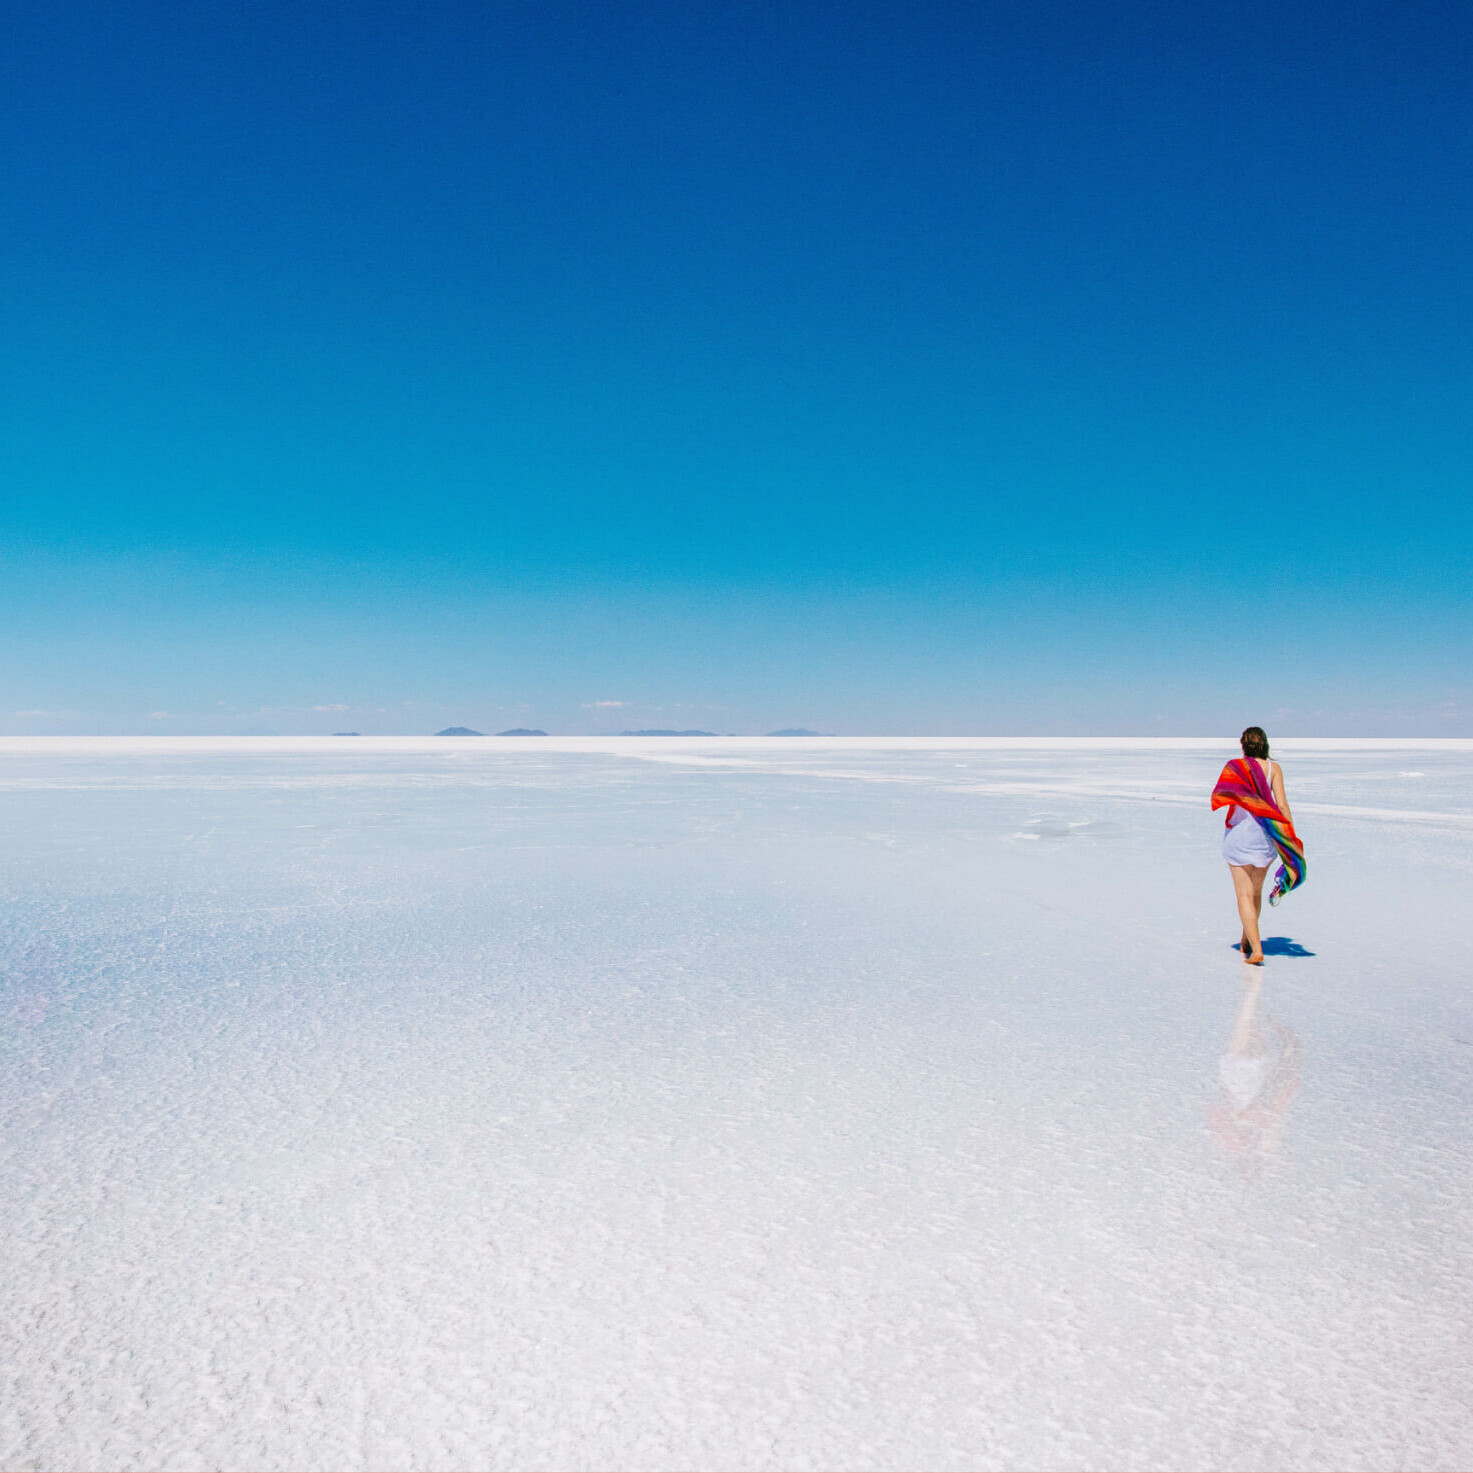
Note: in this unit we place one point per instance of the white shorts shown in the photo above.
(1246, 843)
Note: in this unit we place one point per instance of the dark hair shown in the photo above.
(1255, 742)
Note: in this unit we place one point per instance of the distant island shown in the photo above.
(795, 731)
(522, 731)
(459, 731)
(667, 733)
(345, 733)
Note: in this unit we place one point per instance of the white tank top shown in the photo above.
(1236, 815)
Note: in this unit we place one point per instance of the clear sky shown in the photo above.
(921, 367)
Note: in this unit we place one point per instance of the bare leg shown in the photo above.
(1248, 886)
(1257, 876)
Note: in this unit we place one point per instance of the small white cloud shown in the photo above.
(34, 715)
(604, 705)
(336, 706)
(158, 715)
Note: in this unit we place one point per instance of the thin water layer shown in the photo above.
(712, 1104)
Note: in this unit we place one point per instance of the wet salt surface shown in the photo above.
(728, 1104)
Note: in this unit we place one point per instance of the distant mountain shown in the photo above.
(345, 733)
(667, 733)
(795, 731)
(522, 731)
(459, 731)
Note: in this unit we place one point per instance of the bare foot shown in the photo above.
(1256, 960)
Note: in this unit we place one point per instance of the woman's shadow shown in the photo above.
(1281, 946)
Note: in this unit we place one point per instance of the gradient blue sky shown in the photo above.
(917, 367)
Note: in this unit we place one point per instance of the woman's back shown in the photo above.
(1270, 771)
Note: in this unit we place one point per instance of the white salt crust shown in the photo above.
(728, 1104)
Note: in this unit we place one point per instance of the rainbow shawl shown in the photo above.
(1245, 782)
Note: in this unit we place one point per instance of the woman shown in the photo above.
(1248, 846)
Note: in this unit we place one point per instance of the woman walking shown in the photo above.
(1260, 829)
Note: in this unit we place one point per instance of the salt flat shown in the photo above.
(673, 1104)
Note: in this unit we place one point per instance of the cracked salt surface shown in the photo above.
(370, 1104)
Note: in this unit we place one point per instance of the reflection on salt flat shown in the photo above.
(1258, 1077)
(1049, 826)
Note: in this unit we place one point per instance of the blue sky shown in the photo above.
(934, 368)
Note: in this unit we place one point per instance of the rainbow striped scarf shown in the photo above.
(1245, 782)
